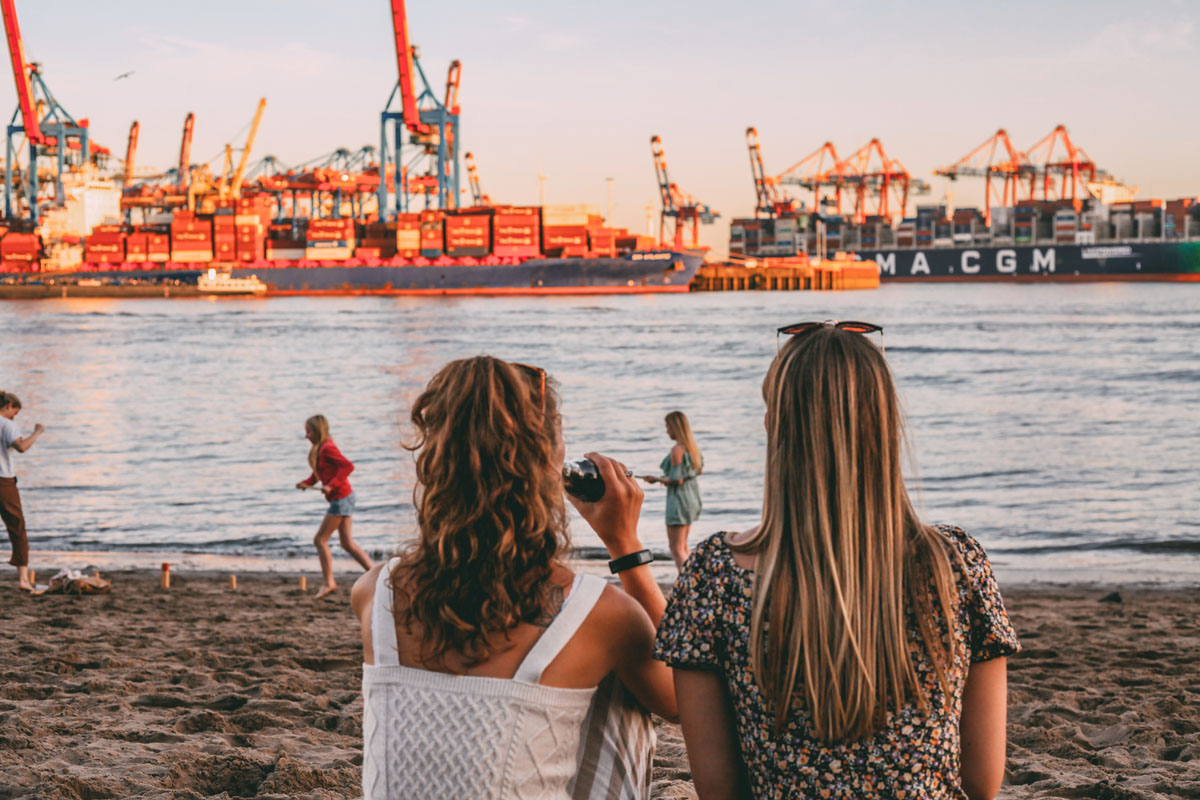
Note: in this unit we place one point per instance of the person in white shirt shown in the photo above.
(10, 498)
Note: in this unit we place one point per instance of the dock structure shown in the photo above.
(784, 275)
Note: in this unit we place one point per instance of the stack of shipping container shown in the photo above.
(329, 239)
(517, 232)
(191, 238)
(19, 252)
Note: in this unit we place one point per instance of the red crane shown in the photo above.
(131, 153)
(16, 52)
(770, 199)
(404, 62)
(995, 158)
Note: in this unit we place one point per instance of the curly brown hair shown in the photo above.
(489, 504)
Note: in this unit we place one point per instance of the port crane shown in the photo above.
(1074, 166)
(874, 174)
(48, 129)
(130, 154)
(770, 200)
(478, 198)
(417, 141)
(678, 206)
(820, 169)
(995, 159)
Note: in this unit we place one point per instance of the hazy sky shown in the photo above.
(580, 87)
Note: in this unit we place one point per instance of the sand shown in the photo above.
(203, 692)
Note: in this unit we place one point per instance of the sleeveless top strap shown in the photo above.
(572, 614)
(383, 626)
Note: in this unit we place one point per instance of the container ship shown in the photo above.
(1044, 241)
(1049, 213)
(342, 223)
(482, 250)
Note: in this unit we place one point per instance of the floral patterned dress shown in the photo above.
(915, 755)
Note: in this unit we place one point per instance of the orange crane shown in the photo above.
(185, 151)
(820, 169)
(874, 174)
(677, 205)
(995, 158)
(48, 129)
(1074, 166)
(770, 200)
(130, 153)
(478, 198)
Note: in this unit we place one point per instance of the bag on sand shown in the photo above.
(72, 581)
(616, 752)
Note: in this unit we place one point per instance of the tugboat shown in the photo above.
(214, 282)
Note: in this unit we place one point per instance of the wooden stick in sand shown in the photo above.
(233, 583)
(33, 577)
(303, 584)
(166, 575)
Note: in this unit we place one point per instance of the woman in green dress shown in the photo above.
(679, 472)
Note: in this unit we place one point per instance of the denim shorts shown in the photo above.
(343, 507)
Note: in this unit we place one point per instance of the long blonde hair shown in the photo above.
(318, 425)
(491, 523)
(679, 430)
(840, 553)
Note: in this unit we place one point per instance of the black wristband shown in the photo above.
(630, 561)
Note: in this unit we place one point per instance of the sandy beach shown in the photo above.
(202, 692)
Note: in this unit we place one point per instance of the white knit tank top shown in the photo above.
(437, 736)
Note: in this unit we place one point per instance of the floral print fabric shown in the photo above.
(915, 755)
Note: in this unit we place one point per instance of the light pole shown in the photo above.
(608, 220)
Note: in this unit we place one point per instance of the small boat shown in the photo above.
(213, 282)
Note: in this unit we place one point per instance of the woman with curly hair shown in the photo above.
(482, 649)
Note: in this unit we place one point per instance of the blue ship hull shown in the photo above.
(639, 272)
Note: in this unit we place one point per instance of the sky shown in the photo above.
(577, 89)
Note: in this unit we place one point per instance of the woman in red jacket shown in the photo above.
(331, 468)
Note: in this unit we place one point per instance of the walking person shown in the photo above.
(680, 469)
(332, 469)
(841, 647)
(10, 498)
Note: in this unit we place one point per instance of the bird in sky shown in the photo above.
(123, 75)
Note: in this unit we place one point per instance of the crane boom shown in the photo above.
(131, 152)
(16, 52)
(404, 62)
(236, 189)
(185, 149)
(478, 198)
(453, 77)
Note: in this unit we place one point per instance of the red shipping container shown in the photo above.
(430, 216)
(516, 251)
(367, 252)
(327, 235)
(555, 236)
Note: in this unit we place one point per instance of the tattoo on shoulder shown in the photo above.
(552, 600)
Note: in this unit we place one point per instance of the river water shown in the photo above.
(1058, 423)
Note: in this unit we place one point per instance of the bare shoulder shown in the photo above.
(677, 454)
(363, 593)
(617, 612)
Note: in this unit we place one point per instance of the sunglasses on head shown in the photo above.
(801, 328)
(539, 376)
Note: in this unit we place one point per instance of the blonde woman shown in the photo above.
(332, 469)
(482, 649)
(680, 469)
(841, 647)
